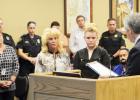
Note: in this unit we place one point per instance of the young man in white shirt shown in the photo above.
(77, 41)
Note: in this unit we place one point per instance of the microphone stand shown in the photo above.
(110, 71)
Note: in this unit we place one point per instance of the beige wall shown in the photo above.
(16, 14)
(100, 14)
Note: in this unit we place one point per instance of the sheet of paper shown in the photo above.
(101, 69)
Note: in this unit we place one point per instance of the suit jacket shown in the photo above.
(134, 60)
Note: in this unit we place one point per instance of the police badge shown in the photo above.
(26, 41)
(38, 41)
(7, 38)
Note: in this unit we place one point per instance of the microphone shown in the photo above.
(110, 71)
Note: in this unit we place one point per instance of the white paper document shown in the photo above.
(101, 69)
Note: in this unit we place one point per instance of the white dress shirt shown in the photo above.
(137, 38)
(76, 41)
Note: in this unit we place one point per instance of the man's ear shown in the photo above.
(132, 34)
(130, 31)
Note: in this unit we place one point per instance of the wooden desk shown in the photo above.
(47, 87)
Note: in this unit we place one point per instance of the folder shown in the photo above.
(70, 73)
(100, 69)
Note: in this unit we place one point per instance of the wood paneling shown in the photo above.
(47, 87)
(124, 88)
(62, 87)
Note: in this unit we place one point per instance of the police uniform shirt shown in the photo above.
(8, 40)
(112, 41)
(30, 46)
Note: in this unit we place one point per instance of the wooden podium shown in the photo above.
(48, 87)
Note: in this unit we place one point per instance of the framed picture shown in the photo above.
(120, 9)
(73, 8)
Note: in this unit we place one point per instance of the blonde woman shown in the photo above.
(91, 53)
(52, 57)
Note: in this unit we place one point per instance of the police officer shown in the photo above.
(8, 40)
(28, 48)
(112, 41)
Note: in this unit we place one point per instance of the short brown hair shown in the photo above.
(79, 17)
(31, 22)
(111, 19)
(55, 23)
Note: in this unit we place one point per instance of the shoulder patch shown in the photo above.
(7, 37)
(38, 41)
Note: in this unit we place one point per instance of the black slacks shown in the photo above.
(9, 95)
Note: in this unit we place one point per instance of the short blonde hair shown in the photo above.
(50, 32)
(91, 27)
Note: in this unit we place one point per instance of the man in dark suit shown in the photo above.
(132, 25)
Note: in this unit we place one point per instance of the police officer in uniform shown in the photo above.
(112, 41)
(8, 40)
(28, 48)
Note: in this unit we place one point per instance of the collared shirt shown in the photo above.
(112, 42)
(119, 69)
(31, 46)
(137, 38)
(77, 41)
(9, 66)
(49, 62)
